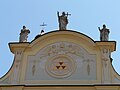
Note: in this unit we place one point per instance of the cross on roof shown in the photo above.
(43, 25)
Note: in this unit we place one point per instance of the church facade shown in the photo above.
(62, 59)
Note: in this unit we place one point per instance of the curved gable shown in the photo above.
(59, 56)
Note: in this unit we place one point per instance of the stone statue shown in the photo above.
(24, 34)
(104, 33)
(63, 21)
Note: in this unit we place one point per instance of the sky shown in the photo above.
(86, 17)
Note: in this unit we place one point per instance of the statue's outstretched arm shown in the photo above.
(57, 13)
(99, 28)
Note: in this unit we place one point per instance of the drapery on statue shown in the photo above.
(24, 34)
(63, 21)
(104, 33)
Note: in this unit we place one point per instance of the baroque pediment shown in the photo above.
(61, 57)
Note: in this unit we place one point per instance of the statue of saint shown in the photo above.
(63, 21)
(104, 33)
(24, 34)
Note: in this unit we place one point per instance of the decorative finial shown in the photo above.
(63, 20)
(42, 32)
(24, 34)
(43, 26)
(104, 33)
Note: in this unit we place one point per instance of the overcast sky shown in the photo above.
(86, 17)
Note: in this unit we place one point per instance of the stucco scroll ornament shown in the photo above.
(33, 69)
(88, 65)
(15, 78)
(18, 54)
(16, 71)
(63, 49)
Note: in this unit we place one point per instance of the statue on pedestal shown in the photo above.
(104, 33)
(63, 21)
(24, 34)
